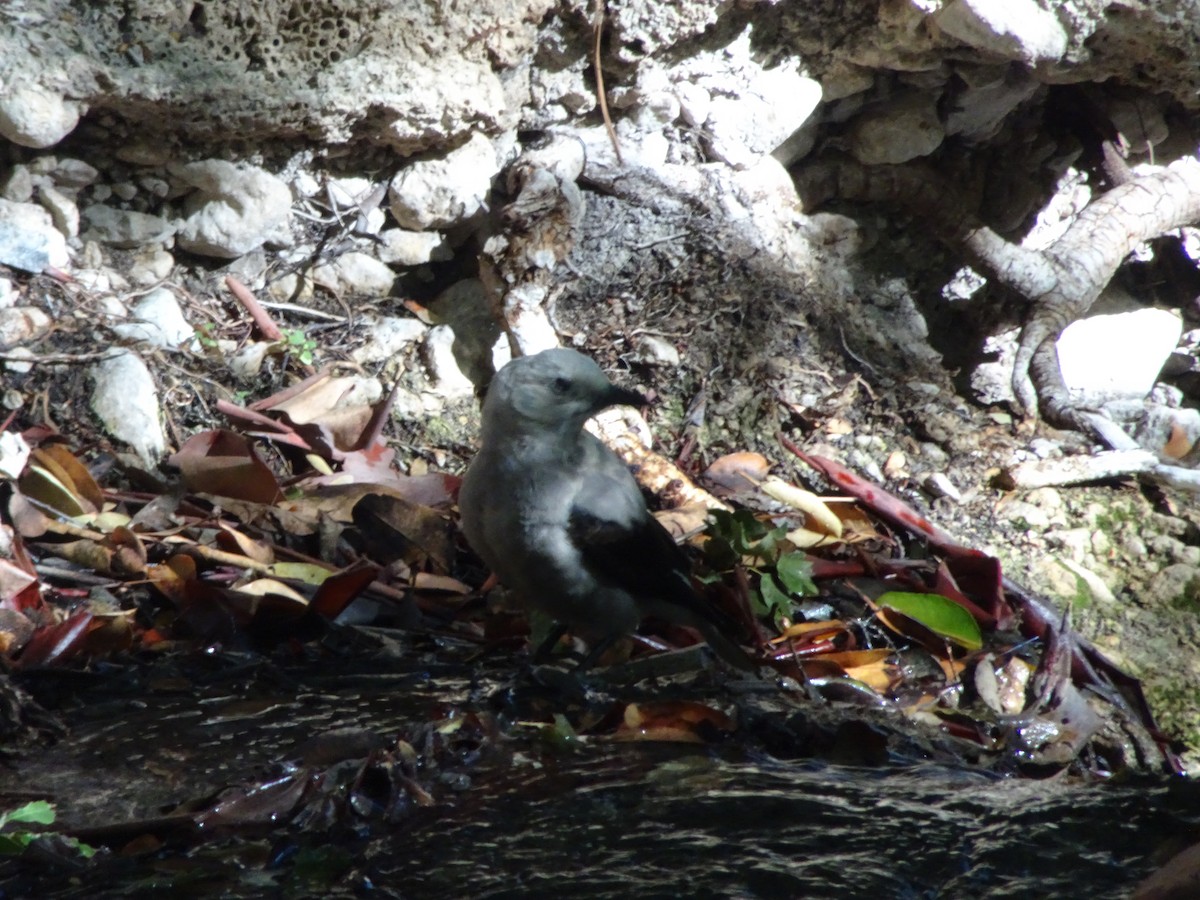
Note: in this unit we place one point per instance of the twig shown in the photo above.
(600, 92)
(54, 358)
(221, 557)
(265, 324)
(305, 312)
(1077, 469)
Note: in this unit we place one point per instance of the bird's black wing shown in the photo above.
(624, 546)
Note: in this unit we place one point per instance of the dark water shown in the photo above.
(703, 827)
(602, 820)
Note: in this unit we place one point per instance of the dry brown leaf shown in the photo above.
(129, 553)
(173, 576)
(677, 721)
(813, 631)
(235, 542)
(818, 516)
(55, 462)
(737, 472)
(396, 529)
(684, 522)
(223, 463)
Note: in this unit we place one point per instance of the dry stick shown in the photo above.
(289, 392)
(657, 474)
(221, 557)
(53, 358)
(372, 433)
(262, 320)
(1077, 469)
(600, 92)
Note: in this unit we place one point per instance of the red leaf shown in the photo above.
(58, 643)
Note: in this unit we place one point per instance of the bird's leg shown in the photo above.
(596, 652)
(546, 648)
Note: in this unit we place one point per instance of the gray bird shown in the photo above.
(560, 520)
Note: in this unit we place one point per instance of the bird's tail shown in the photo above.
(724, 647)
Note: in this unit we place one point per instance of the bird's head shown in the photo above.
(556, 389)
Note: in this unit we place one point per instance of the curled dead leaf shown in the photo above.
(819, 517)
(736, 472)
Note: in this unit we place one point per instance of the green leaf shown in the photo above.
(766, 548)
(309, 573)
(752, 530)
(14, 844)
(940, 615)
(719, 554)
(540, 627)
(795, 571)
(39, 812)
(776, 601)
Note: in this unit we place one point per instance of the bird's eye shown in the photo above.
(561, 385)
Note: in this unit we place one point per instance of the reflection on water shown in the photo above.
(713, 828)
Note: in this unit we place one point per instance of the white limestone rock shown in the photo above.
(655, 351)
(74, 174)
(150, 265)
(436, 193)
(446, 379)
(63, 211)
(160, 320)
(17, 184)
(349, 191)
(897, 131)
(28, 238)
(34, 116)
(355, 272)
(125, 399)
(124, 228)
(246, 362)
(402, 247)
(388, 336)
(21, 324)
(744, 128)
(1019, 30)
(236, 208)
(990, 94)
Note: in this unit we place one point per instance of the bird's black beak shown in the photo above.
(619, 396)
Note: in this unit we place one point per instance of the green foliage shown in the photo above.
(37, 812)
(939, 614)
(740, 538)
(300, 344)
(206, 335)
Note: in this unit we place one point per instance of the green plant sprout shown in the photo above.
(37, 812)
(783, 574)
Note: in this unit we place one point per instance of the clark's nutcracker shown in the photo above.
(558, 517)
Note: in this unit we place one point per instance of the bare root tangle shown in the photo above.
(1087, 256)
(1061, 282)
